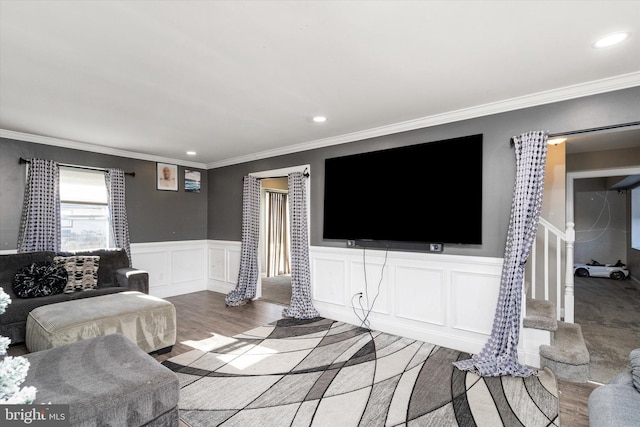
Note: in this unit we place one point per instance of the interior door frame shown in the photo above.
(274, 173)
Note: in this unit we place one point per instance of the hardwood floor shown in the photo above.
(201, 314)
(573, 403)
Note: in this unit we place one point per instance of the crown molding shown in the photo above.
(77, 145)
(595, 87)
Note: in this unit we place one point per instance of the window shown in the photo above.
(635, 218)
(84, 210)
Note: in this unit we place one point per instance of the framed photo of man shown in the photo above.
(167, 177)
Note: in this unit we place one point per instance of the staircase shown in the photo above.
(549, 336)
(566, 353)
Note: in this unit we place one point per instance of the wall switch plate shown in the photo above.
(435, 247)
(351, 243)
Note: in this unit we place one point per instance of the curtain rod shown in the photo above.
(23, 160)
(305, 174)
(577, 132)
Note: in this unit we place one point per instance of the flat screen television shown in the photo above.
(407, 197)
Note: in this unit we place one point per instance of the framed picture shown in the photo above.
(191, 181)
(167, 177)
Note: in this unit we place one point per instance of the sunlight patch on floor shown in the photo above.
(208, 344)
(237, 354)
(247, 360)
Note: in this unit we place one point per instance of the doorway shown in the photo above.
(607, 310)
(276, 257)
(277, 288)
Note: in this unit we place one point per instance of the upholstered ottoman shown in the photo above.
(148, 321)
(106, 381)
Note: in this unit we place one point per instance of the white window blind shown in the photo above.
(84, 210)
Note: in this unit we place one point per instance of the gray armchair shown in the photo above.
(617, 404)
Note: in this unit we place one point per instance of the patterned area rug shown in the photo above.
(322, 372)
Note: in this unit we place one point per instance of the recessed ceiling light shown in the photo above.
(556, 141)
(319, 119)
(611, 39)
(191, 153)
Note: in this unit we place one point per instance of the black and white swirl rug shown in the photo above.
(321, 372)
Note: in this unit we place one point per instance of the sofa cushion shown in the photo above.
(89, 293)
(39, 279)
(110, 261)
(11, 263)
(634, 360)
(614, 405)
(82, 271)
(106, 381)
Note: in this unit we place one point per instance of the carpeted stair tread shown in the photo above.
(541, 314)
(568, 346)
(567, 357)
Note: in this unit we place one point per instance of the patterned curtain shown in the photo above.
(40, 222)
(499, 356)
(301, 306)
(248, 275)
(114, 179)
(277, 234)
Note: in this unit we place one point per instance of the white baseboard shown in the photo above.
(411, 330)
(221, 287)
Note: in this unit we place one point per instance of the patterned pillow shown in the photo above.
(82, 271)
(39, 280)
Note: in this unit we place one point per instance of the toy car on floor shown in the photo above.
(617, 271)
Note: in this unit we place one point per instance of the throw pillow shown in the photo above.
(82, 271)
(39, 280)
(634, 361)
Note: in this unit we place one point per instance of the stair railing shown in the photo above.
(554, 248)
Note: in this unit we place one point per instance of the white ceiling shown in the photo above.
(241, 80)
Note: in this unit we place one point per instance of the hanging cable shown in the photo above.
(364, 320)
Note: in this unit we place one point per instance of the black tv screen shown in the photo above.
(418, 194)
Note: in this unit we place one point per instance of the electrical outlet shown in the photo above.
(351, 243)
(435, 247)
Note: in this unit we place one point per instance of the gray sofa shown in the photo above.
(617, 404)
(114, 275)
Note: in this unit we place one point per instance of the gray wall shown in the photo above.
(225, 189)
(154, 216)
(633, 255)
(600, 217)
(216, 212)
(594, 160)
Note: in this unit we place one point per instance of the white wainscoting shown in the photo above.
(223, 263)
(174, 268)
(448, 300)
